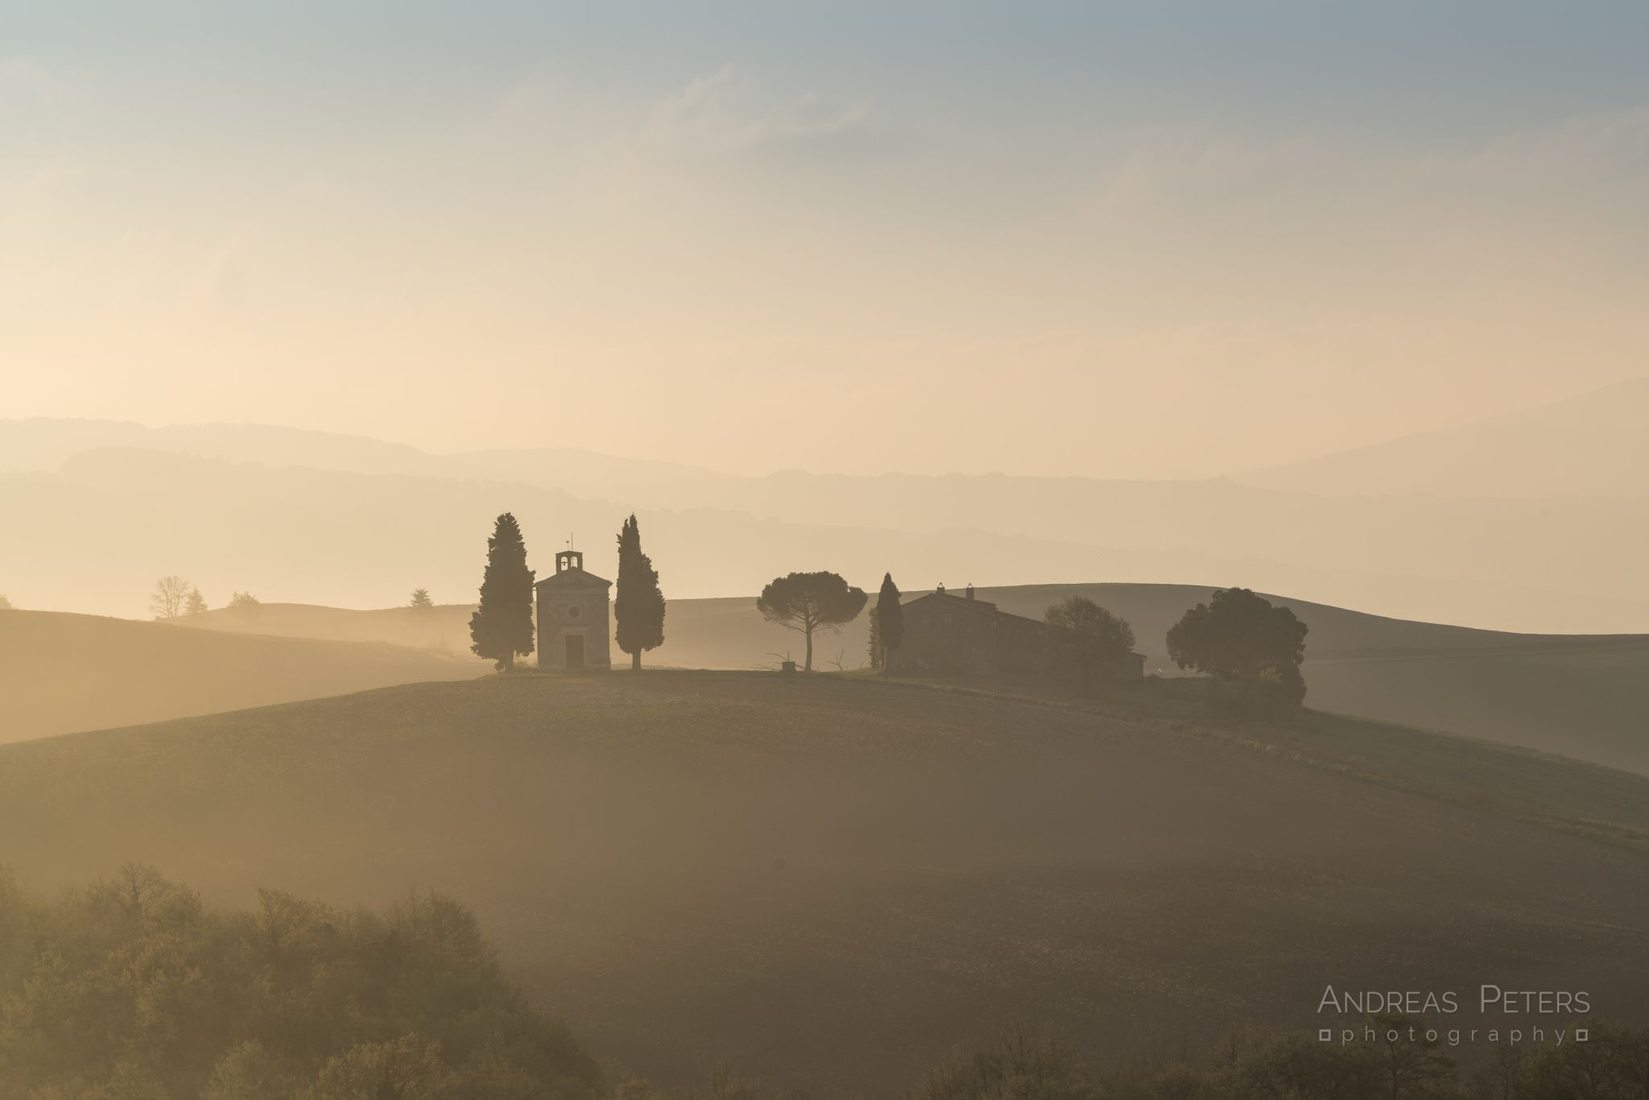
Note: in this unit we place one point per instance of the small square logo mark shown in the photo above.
(1325, 1035)
(1582, 1034)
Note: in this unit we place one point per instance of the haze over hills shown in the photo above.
(696, 868)
(336, 520)
(1593, 445)
(295, 515)
(62, 672)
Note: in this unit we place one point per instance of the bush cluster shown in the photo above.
(132, 989)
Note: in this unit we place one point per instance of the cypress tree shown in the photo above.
(638, 608)
(501, 627)
(874, 643)
(890, 621)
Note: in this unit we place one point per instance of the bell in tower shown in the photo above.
(569, 559)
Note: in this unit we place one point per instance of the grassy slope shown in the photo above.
(1582, 695)
(444, 629)
(829, 880)
(62, 672)
(1585, 696)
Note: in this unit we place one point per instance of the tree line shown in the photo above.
(132, 988)
(1407, 1060)
(174, 598)
(1250, 649)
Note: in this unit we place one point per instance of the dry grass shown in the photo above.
(827, 880)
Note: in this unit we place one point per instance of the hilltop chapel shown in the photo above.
(573, 617)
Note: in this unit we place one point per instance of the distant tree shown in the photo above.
(1084, 616)
(1241, 639)
(810, 601)
(195, 604)
(169, 597)
(1103, 639)
(421, 600)
(501, 628)
(638, 607)
(5, 604)
(888, 622)
(244, 603)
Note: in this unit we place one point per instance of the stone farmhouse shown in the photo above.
(953, 634)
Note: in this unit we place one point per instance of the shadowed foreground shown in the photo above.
(131, 989)
(827, 881)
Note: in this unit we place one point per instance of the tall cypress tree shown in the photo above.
(890, 621)
(501, 627)
(638, 608)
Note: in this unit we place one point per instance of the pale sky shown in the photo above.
(1166, 239)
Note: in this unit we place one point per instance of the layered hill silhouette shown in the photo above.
(1592, 445)
(296, 515)
(826, 881)
(61, 672)
(442, 628)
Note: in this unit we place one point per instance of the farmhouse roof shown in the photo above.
(984, 607)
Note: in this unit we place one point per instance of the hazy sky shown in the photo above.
(1129, 239)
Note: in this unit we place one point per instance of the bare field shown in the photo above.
(765, 870)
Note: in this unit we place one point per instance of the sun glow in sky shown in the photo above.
(1105, 239)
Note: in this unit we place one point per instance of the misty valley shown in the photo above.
(824, 551)
(994, 853)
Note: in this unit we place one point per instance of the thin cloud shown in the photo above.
(724, 113)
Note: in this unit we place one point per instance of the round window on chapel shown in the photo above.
(574, 611)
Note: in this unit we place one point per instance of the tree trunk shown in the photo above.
(887, 659)
(635, 661)
(808, 630)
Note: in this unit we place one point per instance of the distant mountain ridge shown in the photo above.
(296, 515)
(1593, 445)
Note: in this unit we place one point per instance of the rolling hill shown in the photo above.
(826, 881)
(444, 628)
(61, 672)
(1585, 696)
